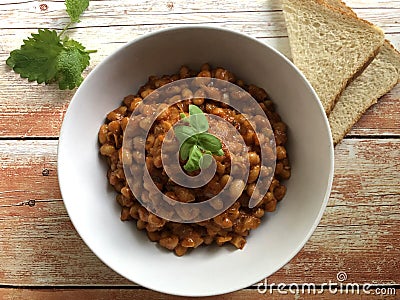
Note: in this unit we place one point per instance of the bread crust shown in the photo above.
(351, 15)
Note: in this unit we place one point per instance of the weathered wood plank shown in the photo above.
(122, 294)
(105, 14)
(366, 172)
(144, 12)
(30, 110)
(359, 233)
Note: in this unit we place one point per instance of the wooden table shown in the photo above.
(41, 255)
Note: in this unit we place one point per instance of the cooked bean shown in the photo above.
(199, 96)
(143, 214)
(224, 179)
(184, 194)
(124, 123)
(186, 93)
(114, 127)
(184, 72)
(153, 236)
(236, 187)
(280, 192)
(238, 241)
(250, 189)
(280, 152)
(259, 213)
(251, 222)
(224, 75)
(107, 150)
(112, 116)
(180, 250)
(125, 214)
(217, 204)
(149, 142)
(253, 174)
(145, 93)
(223, 221)
(134, 104)
(187, 242)
(133, 211)
(281, 171)
(233, 211)
(222, 240)
(220, 168)
(254, 158)
(258, 93)
(169, 242)
(204, 73)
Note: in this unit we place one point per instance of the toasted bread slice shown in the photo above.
(330, 46)
(377, 79)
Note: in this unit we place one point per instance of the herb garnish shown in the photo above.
(196, 145)
(47, 57)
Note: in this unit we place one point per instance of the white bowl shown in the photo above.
(90, 201)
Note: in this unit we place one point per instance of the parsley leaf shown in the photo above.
(75, 8)
(45, 57)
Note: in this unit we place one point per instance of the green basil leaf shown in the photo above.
(208, 142)
(197, 119)
(220, 152)
(194, 110)
(194, 159)
(186, 147)
(182, 133)
(182, 115)
(205, 161)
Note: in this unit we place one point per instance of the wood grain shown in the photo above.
(28, 110)
(358, 234)
(121, 294)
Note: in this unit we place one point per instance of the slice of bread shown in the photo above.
(330, 46)
(377, 79)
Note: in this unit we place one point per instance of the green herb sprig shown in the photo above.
(196, 145)
(48, 57)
